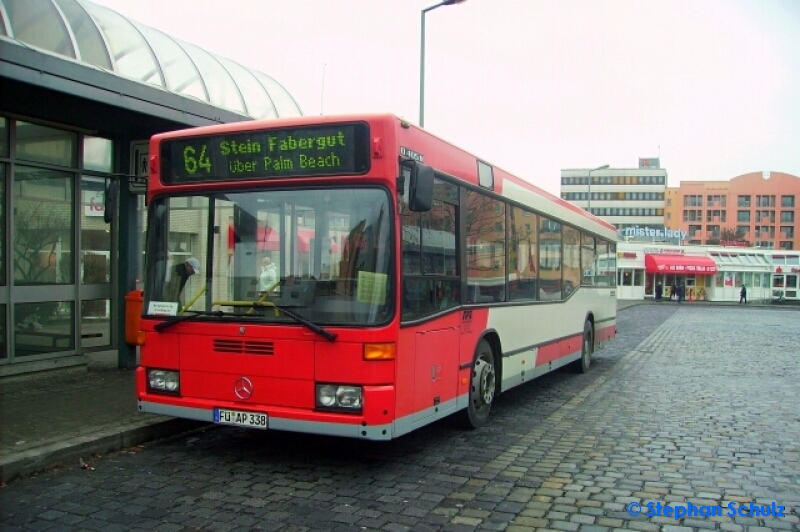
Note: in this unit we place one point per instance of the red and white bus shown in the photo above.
(412, 280)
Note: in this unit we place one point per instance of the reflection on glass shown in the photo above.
(95, 323)
(45, 327)
(572, 260)
(3, 335)
(45, 145)
(2, 224)
(588, 260)
(97, 154)
(522, 255)
(330, 249)
(485, 249)
(3, 137)
(43, 221)
(550, 259)
(95, 234)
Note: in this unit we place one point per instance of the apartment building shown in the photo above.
(630, 198)
(756, 209)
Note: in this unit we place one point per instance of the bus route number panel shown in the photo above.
(263, 154)
(239, 418)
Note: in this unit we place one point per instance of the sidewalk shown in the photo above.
(57, 418)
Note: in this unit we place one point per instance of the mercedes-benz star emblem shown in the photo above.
(243, 388)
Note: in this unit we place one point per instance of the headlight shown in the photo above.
(339, 397)
(160, 380)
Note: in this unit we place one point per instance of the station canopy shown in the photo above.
(86, 32)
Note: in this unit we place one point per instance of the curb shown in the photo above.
(71, 450)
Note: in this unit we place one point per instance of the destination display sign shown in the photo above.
(266, 154)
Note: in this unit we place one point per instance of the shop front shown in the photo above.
(676, 269)
(743, 267)
(707, 273)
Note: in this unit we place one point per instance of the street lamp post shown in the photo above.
(422, 58)
(589, 205)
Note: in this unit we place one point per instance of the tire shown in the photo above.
(482, 386)
(583, 364)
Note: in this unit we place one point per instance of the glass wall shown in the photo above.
(59, 273)
(43, 226)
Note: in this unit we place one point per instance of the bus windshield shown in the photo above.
(324, 254)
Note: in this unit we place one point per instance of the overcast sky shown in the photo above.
(534, 86)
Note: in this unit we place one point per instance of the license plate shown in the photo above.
(255, 420)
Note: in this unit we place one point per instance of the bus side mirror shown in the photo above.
(420, 190)
(110, 200)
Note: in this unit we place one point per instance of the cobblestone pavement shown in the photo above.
(688, 405)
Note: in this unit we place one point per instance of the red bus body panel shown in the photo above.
(429, 377)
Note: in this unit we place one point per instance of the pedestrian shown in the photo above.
(673, 290)
(268, 276)
(743, 295)
(178, 276)
(659, 291)
(679, 289)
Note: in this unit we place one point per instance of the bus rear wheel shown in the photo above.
(482, 386)
(582, 364)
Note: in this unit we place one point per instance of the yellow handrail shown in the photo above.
(195, 298)
(251, 304)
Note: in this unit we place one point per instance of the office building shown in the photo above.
(630, 198)
(755, 209)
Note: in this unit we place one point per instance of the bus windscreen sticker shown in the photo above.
(372, 288)
(263, 154)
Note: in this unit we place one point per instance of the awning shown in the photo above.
(679, 264)
(269, 240)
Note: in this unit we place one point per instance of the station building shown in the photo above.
(82, 89)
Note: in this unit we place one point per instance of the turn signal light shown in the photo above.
(379, 351)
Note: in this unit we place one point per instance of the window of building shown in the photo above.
(743, 201)
(97, 154)
(787, 201)
(787, 216)
(693, 201)
(765, 201)
(3, 136)
(787, 231)
(43, 223)
(743, 216)
(47, 145)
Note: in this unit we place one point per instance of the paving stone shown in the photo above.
(674, 410)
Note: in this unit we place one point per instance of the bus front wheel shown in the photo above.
(482, 386)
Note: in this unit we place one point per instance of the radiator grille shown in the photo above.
(244, 347)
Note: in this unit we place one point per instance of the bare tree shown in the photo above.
(37, 231)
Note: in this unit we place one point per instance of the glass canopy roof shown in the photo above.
(93, 34)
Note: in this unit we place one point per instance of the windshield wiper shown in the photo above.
(174, 320)
(308, 323)
(280, 308)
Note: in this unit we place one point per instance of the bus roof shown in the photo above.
(439, 153)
